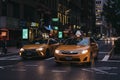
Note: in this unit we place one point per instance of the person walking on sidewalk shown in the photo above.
(4, 46)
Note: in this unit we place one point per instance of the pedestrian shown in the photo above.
(4, 46)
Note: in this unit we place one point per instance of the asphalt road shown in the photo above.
(14, 68)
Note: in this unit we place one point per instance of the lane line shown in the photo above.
(106, 57)
(14, 57)
(49, 58)
(59, 71)
(103, 52)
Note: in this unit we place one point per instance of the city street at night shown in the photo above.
(59, 39)
(13, 67)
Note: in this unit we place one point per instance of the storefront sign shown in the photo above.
(25, 34)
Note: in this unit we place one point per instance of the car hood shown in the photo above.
(72, 47)
(34, 46)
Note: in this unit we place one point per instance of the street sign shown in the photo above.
(55, 19)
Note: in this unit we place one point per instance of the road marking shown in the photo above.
(1, 67)
(104, 52)
(49, 58)
(88, 70)
(59, 71)
(14, 57)
(31, 65)
(108, 55)
(106, 58)
(18, 69)
(101, 70)
(113, 61)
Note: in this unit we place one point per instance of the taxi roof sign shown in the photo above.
(78, 32)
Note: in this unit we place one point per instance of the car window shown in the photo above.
(83, 42)
(75, 41)
(52, 41)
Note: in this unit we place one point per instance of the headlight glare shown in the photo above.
(84, 51)
(57, 51)
(39, 49)
(22, 49)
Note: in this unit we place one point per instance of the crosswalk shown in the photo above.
(14, 57)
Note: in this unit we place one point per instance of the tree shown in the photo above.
(111, 11)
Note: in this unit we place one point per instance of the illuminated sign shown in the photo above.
(60, 34)
(56, 27)
(55, 19)
(4, 34)
(25, 33)
(34, 24)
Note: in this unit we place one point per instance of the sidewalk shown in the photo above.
(11, 51)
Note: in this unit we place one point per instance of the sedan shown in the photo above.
(39, 48)
(77, 50)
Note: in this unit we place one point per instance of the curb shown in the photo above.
(8, 54)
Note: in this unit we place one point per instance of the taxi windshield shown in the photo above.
(75, 41)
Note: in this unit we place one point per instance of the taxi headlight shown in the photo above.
(84, 51)
(22, 49)
(40, 49)
(57, 51)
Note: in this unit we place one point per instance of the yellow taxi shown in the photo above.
(77, 50)
(39, 48)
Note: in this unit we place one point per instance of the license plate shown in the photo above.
(68, 58)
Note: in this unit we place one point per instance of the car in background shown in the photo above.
(39, 48)
(77, 50)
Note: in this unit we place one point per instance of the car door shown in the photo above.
(53, 44)
(94, 47)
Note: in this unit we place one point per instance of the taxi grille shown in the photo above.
(73, 59)
(30, 52)
(69, 52)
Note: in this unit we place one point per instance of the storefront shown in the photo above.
(4, 34)
(9, 30)
(33, 31)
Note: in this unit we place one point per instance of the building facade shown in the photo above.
(36, 17)
(100, 20)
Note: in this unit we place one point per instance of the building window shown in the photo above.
(16, 10)
(29, 13)
(98, 2)
(4, 9)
